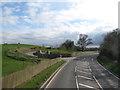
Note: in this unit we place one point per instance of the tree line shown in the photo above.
(110, 48)
(82, 42)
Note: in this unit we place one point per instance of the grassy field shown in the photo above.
(13, 54)
(10, 65)
(40, 78)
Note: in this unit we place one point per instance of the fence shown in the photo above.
(17, 78)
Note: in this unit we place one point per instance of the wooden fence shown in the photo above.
(17, 78)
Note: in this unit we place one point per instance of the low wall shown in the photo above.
(17, 78)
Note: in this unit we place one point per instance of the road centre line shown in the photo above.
(85, 85)
(85, 77)
(56, 75)
(98, 83)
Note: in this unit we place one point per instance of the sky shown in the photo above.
(51, 22)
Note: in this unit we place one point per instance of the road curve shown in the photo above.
(84, 72)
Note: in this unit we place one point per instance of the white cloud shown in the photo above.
(104, 11)
(7, 11)
(10, 20)
(57, 23)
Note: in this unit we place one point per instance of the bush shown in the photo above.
(110, 46)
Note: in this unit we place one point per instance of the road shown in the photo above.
(84, 72)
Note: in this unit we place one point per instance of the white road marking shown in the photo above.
(85, 77)
(83, 68)
(107, 70)
(83, 72)
(56, 75)
(85, 85)
(98, 83)
(76, 82)
(75, 68)
(90, 69)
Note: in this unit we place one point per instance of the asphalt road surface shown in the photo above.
(84, 72)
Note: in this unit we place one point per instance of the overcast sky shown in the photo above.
(54, 22)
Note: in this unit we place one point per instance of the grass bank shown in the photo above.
(109, 65)
(15, 59)
(10, 65)
(39, 79)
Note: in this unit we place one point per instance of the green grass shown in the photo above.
(113, 67)
(10, 65)
(39, 79)
(13, 63)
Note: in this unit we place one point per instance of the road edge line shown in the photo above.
(49, 80)
(108, 71)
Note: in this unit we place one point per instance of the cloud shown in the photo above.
(10, 20)
(52, 24)
(38, 37)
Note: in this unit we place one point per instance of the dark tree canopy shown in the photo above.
(84, 41)
(68, 44)
(111, 45)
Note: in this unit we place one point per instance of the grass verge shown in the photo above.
(11, 65)
(109, 65)
(39, 79)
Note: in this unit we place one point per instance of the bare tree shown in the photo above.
(84, 41)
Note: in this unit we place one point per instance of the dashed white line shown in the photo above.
(85, 77)
(98, 83)
(85, 85)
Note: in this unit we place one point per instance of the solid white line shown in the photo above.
(90, 69)
(107, 70)
(98, 83)
(76, 82)
(83, 72)
(85, 77)
(56, 75)
(85, 85)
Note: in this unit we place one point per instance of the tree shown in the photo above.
(111, 45)
(68, 44)
(84, 41)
